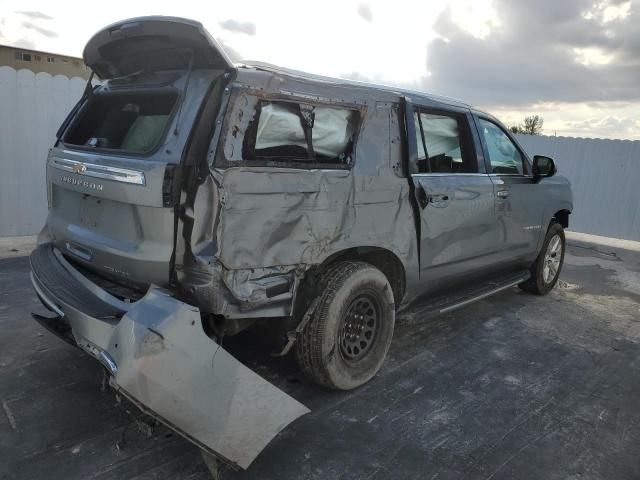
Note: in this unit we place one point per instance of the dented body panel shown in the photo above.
(149, 257)
(164, 356)
(161, 359)
(280, 221)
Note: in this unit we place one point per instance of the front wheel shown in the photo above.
(546, 269)
(348, 335)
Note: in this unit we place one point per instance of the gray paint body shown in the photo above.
(219, 234)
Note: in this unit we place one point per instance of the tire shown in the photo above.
(348, 335)
(547, 267)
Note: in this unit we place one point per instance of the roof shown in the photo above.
(413, 94)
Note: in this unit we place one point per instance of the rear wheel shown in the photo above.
(348, 335)
(546, 269)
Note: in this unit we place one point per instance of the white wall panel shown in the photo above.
(605, 177)
(32, 106)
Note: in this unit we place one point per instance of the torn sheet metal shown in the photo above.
(257, 285)
(167, 365)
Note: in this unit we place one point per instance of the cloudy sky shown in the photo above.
(575, 62)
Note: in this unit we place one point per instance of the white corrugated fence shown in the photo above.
(605, 177)
(32, 107)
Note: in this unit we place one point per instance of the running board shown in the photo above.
(447, 302)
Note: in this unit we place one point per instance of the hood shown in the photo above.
(150, 44)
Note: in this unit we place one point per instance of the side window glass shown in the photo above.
(301, 132)
(445, 148)
(503, 154)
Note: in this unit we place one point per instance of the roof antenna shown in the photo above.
(184, 92)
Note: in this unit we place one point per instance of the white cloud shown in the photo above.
(476, 55)
(593, 56)
(615, 12)
(364, 10)
(478, 17)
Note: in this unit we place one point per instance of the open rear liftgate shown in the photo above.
(162, 360)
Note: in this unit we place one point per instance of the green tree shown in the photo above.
(532, 125)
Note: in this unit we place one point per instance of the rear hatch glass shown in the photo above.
(129, 122)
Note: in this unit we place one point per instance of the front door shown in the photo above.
(519, 216)
(454, 196)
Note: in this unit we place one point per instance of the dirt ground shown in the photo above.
(512, 387)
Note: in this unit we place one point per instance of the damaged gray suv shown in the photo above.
(191, 199)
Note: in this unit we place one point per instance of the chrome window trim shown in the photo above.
(117, 174)
(510, 175)
(441, 174)
(492, 175)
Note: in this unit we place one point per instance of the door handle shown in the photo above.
(438, 197)
(425, 198)
(502, 194)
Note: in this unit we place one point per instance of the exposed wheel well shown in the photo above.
(386, 261)
(562, 217)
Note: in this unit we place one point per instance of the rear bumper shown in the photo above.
(159, 357)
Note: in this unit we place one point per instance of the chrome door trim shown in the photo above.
(449, 174)
(497, 175)
(117, 174)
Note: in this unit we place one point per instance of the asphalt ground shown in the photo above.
(511, 387)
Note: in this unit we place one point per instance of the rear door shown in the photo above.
(518, 212)
(454, 196)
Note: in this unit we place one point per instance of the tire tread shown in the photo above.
(533, 285)
(309, 341)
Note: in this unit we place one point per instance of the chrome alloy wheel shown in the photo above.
(359, 328)
(552, 258)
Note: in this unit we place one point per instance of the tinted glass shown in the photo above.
(504, 156)
(445, 138)
(129, 122)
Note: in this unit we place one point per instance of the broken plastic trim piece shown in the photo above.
(160, 357)
(170, 368)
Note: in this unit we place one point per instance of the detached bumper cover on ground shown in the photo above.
(161, 359)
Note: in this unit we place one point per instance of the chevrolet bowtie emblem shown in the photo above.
(79, 168)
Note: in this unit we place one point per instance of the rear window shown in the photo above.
(130, 122)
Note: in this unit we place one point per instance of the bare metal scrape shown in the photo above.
(169, 367)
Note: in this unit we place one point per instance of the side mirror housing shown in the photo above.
(543, 166)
